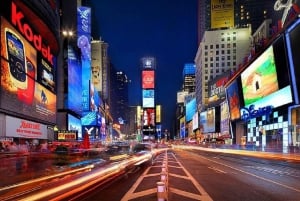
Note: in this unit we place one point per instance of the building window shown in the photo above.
(211, 46)
(223, 45)
(217, 52)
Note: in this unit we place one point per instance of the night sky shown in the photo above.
(164, 29)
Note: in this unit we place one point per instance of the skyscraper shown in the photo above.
(244, 13)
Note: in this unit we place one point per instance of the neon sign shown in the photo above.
(17, 18)
(251, 112)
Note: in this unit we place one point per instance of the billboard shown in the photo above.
(182, 127)
(74, 124)
(148, 79)
(216, 89)
(190, 110)
(21, 128)
(222, 14)
(293, 48)
(181, 96)
(149, 117)
(96, 65)
(260, 78)
(148, 98)
(83, 42)
(265, 83)
(90, 118)
(207, 120)
(28, 63)
(158, 113)
(225, 117)
(74, 81)
(234, 101)
(195, 121)
(148, 63)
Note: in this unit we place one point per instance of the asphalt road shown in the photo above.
(224, 177)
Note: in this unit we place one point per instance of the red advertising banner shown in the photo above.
(148, 79)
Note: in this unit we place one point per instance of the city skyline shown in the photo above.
(158, 29)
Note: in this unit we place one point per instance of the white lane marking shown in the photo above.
(204, 194)
(130, 192)
(217, 170)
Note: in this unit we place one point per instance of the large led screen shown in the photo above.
(90, 118)
(207, 120)
(74, 124)
(74, 81)
(149, 117)
(148, 98)
(148, 79)
(28, 63)
(83, 42)
(293, 46)
(190, 109)
(216, 89)
(260, 78)
(234, 101)
(224, 126)
(266, 82)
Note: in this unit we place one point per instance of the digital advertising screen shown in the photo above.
(225, 117)
(28, 63)
(148, 79)
(149, 117)
(83, 42)
(195, 121)
(266, 82)
(74, 124)
(293, 41)
(74, 81)
(182, 127)
(207, 120)
(234, 101)
(191, 108)
(89, 118)
(216, 89)
(148, 98)
(260, 78)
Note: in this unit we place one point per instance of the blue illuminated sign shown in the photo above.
(251, 112)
